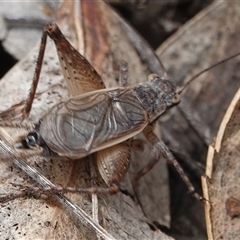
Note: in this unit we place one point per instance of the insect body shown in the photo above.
(99, 121)
(103, 118)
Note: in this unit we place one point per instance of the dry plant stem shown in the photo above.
(94, 197)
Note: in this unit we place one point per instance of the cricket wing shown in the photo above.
(92, 122)
(78, 73)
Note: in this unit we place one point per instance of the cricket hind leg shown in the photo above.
(112, 165)
(24, 107)
(163, 150)
(32, 191)
(28, 192)
(28, 103)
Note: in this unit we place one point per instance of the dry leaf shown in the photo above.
(221, 186)
(23, 22)
(206, 39)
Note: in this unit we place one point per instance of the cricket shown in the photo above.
(96, 119)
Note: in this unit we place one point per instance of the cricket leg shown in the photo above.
(32, 191)
(23, 108)
(112, 170)
(112, 164)
(165, 152)
(123, 74)
(28, 104)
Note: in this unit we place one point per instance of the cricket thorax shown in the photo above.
(156, 96)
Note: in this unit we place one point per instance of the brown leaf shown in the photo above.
(209, 37)
(222, 187)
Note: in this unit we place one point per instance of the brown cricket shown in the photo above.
(99, 121)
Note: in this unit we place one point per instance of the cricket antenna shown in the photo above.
(181, 89)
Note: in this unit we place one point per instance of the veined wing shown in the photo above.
(93, 121)
(78, 73)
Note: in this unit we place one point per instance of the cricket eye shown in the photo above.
(176, 98)
(32, 139)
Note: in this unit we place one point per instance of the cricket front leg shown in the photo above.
(162, 149)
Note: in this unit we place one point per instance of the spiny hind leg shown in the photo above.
(23, 108)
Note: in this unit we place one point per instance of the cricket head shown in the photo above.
(157, 95)
(160, 94)
(166, 91)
